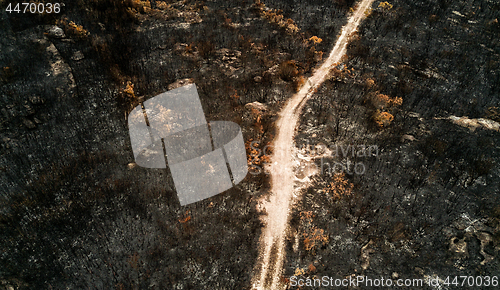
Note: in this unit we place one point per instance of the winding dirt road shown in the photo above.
(272, 253)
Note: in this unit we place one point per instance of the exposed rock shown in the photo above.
(366, 250)
(419, 271)
(58, 65)
(181, 47)
(272, 70)
(184, 26)
(254, 112)
(191, 17)
(485, 239)
(458, 13)
(459, 247)
(55, 32)
(180, 83)
(473, 124)
(78, 55)
(405, 138)
(256, 106)
(29, 124)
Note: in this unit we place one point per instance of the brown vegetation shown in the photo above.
(129, 90)
(314, 238)
(299, 82)
(383, 106)
(384, 102)
(276, 17)
(340, 187)
(186, 218)
(385, 5)
(382, 119)
(315, 40)
(288, 70)
(257, 154)
(73, 29)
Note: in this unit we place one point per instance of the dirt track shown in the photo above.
(270, 264)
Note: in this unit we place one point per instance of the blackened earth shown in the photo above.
(76, 213)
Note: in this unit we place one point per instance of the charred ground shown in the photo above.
(76, 213)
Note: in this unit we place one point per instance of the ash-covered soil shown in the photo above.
(427, 204)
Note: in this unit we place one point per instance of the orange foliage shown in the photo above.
(336, 73)
(306, 215)
(381, 101)
(235, 96)
(382, 104)
(315, 40)
(385, 5)
(299, 271)
(339, 187)
(370, 83)
(185, 219)
(300, 81)
(315, 239)
(252, 153)
(129, 90)
(257, 156)
(275, 17)
(140, 6)
(73, 29)
(311, 268)
(382, 119)
(397, 101)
